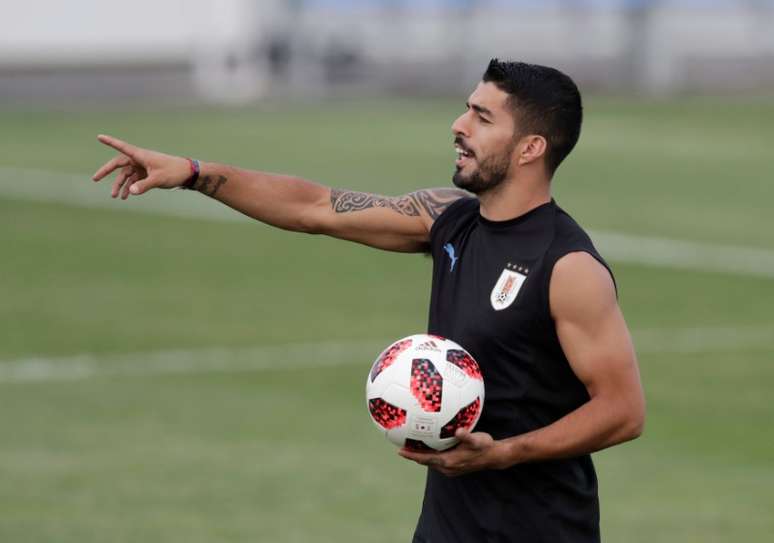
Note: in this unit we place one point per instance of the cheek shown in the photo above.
(495, 139)
(507, 145)
(497, 147)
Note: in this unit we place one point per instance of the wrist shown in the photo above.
(195, 167)
(503, 454)
(210, 179)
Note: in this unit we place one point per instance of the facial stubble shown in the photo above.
(491, 172)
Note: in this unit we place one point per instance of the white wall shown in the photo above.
(105, 31)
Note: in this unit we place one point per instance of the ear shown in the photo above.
(531, 148)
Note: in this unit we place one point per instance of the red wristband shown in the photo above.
(195, 169)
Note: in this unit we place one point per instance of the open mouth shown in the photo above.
(463, 155)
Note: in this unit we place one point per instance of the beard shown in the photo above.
(490, 173)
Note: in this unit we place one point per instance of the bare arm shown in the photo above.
(596, 341)
(597, 344)
(399, 223)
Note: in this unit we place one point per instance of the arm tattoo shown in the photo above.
(209, 184)
(435, 201)
(431, 201)
(344, 201)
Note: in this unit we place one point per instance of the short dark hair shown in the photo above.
(544, 101)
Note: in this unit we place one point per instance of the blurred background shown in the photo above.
(171, 371)
(242, 51)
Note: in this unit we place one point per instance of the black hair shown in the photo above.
(544, 101)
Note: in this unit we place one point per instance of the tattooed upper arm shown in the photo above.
(430, 202)
(435, 201)
(345, 201)
(397, 223)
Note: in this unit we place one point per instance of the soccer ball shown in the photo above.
(421, 389)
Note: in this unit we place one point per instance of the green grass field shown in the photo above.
(192, 379)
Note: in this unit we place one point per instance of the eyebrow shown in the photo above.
(481, 110)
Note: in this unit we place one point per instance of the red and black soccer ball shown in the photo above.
(421, 389)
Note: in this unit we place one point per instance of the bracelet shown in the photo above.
(195, 169)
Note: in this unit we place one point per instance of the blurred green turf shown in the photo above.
(289, 455)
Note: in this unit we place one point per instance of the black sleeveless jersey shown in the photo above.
(490, 295)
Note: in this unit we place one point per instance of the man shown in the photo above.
(515, 281)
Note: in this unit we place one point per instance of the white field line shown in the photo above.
(190, 361)
(79, 190)
(302, 356)
(686, 255)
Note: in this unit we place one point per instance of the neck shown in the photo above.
(514, 198)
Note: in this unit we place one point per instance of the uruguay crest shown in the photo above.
(508, 286)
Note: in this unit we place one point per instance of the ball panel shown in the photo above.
(465, 418)
(389, 356)
(385, 414)
(465, 362)
(426, 384)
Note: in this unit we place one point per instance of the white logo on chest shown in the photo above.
(507, 287)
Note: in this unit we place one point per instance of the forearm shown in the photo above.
(279, 200)
(596, 425)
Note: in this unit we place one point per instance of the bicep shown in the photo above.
(396, 223)
(591, 327)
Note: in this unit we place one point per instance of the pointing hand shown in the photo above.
(141, 169)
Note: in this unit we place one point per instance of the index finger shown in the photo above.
(121, 146)
(426, 459)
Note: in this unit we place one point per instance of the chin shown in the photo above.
(471, 183)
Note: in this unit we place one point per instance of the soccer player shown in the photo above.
(516, 282)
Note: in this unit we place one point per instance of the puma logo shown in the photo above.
(449, 248)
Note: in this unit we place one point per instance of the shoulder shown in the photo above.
(569, 237)
(568, 231)
(453, 204)
(454, 217)
(580, 285)
(434, 202)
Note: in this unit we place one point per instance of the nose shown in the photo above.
(460, 127)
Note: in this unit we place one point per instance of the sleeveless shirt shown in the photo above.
(490, 294)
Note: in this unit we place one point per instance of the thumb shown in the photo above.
(465, 436)
(141, 187)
